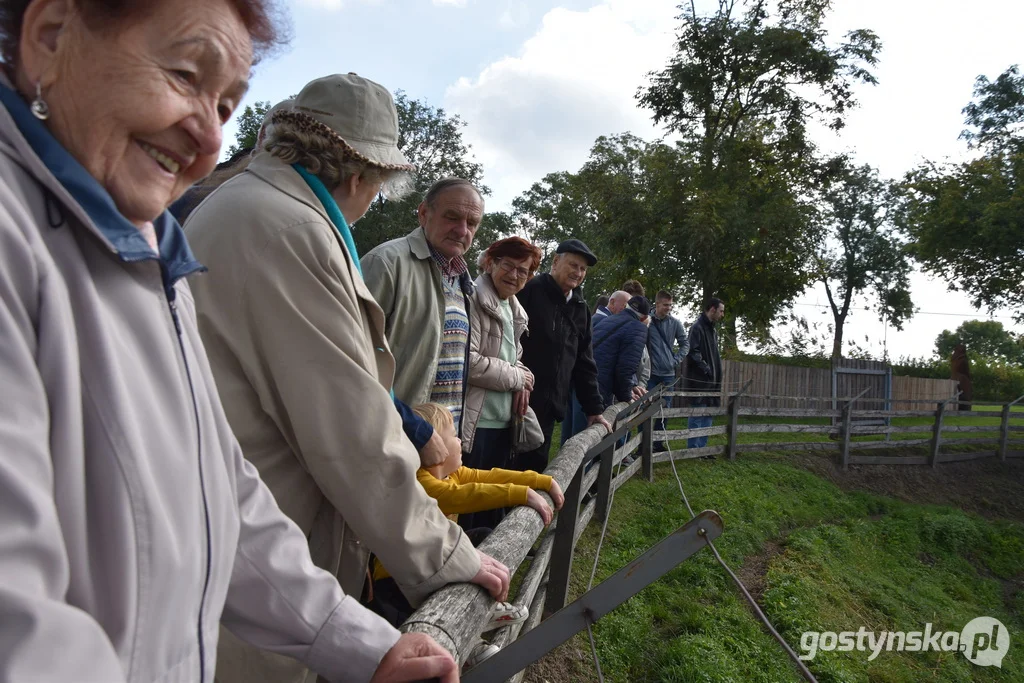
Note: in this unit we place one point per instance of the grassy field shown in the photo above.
(818, 557)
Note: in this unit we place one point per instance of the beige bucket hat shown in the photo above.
(355, 111)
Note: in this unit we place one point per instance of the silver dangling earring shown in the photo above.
(40, 109)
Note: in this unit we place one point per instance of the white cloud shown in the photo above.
(451, 3)
(574, 80)
(516, 14)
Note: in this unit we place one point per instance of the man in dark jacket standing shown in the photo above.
(557, 346)
(704, 365)
(618, 345)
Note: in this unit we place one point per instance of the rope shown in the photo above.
(743, 589)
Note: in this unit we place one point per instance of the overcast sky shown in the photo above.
(536, 82)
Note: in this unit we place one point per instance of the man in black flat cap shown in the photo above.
(557, 347)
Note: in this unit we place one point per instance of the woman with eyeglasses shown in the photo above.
(499, 385)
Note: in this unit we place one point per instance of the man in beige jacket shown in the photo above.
(423, 285)
(298, 349)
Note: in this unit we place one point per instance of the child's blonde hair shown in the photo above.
(436, 414)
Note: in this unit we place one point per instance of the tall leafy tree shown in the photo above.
(744, 84)
(431, 138)
(861, 251)
(249, 122)
(985, 338)
(966, 221)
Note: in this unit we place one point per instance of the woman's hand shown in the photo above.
(528, 379)
(556, 495)
(534, 500)
(493, 577)
(434, 452)
(520, 402)
(416, 657)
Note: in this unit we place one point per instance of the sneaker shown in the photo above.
(480, 652)
(505, 613)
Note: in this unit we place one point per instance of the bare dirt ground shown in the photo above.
(988, 487)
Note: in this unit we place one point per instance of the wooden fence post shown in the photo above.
(560, 565)
(734, 416)
(1004, 437)
(647, 448)
(846, 431)
(604, 482)
(933, 460)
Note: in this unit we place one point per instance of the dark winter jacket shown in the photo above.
(618, 345)
(556, 348)
(663, 336)
(703, 364)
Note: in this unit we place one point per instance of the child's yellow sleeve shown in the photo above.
(454, 496)
(533, 480)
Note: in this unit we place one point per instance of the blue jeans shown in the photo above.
(697, 423)
(575, 421)
(659, 423)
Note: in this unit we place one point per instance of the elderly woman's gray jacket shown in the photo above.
(130, 524)
(487, 372)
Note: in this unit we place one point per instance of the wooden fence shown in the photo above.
(786, 386)
(454, 615)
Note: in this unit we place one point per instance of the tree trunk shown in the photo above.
(837, 342)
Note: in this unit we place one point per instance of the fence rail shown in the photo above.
(585, 470)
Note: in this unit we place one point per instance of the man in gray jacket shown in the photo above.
(422, 283)
(666, 332)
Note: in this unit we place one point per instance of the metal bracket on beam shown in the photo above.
(665, 556)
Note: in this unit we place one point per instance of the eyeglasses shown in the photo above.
(521, 273)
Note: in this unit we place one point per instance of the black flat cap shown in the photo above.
(575, 246)
(640, 304)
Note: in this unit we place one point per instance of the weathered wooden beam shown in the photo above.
(674, 434)
(702, 411)
(971, 440)
(902, 443)
(768, 428)
(586, 514)
(689, 453)
(625, 474)
(893, 413)
(962, 457)
(789, 412)
(789, 446)
(628, 448)
(888, 460)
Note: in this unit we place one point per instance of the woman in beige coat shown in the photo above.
(499, 384)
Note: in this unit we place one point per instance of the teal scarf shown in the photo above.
(333, 212)
(340, 224)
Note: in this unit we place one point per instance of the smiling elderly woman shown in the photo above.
(499, 384)
(130, 524)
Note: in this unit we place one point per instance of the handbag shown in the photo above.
(526, 432)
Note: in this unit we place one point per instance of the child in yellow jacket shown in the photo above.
(460, 489)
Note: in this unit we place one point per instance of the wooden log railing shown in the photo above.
(454, 615)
